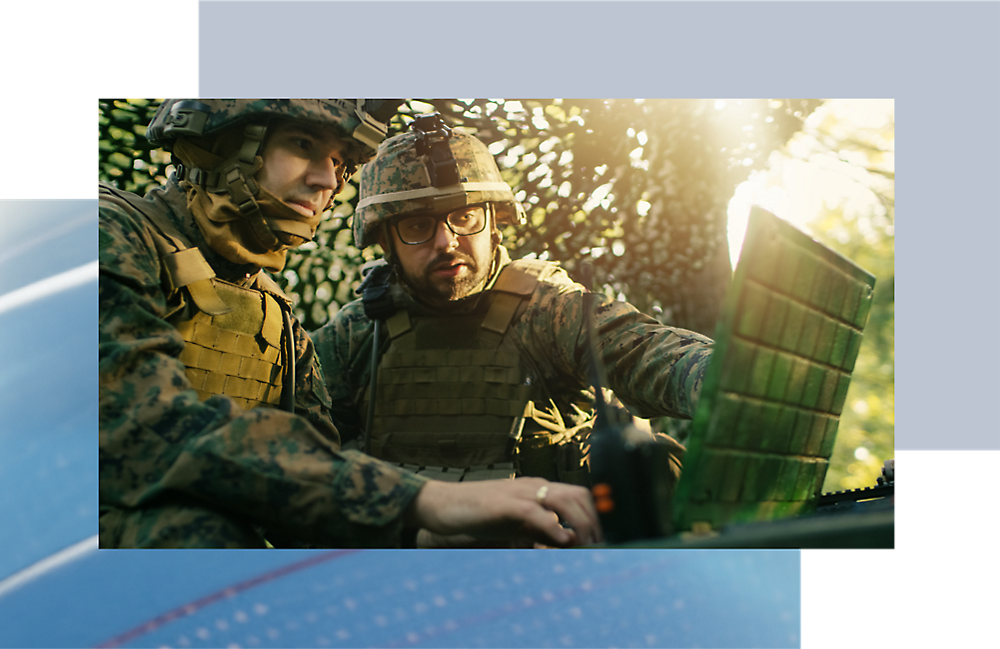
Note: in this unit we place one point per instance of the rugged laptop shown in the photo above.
(769, 409)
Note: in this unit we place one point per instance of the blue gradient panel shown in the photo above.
(578, 598)
(48, 380)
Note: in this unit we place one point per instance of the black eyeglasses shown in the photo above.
(421, 228)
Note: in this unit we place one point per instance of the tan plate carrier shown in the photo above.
(234, 341)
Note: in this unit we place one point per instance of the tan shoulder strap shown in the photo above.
(398, 323)
(185, 265)
(264, 282)
(520, 277)
(517, 282)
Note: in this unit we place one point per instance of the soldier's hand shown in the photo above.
(525, 508)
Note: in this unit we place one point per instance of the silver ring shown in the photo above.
(541, 493)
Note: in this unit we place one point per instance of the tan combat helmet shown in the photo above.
(360, 123)
(431, 167)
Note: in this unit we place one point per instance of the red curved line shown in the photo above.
(225, 593)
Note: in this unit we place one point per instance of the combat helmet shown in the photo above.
(360, 123)
(430, 167)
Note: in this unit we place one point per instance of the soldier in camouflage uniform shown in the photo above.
(482, 362)
(215, 426)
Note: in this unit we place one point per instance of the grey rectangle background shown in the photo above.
(940, 61)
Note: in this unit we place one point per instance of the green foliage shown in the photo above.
(863, 229)
(638, 186)
(126, 158)
(867, 426)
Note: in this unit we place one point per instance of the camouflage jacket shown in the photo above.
(653, 369)
(159, 443)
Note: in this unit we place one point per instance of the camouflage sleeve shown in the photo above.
(344, 348)
(655, 370)
(312, 400)
(159, 443)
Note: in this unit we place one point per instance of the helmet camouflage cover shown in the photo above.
(362, 123)
(218, 143)
(431, 167)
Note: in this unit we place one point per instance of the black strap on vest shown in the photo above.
(288, 389)
(377, 301)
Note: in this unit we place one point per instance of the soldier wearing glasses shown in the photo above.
(215, 427)
(481, 362)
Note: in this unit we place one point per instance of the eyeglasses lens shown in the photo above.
(421, 229)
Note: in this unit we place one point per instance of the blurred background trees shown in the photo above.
(835, 179)
(638, 186)
(642, 188)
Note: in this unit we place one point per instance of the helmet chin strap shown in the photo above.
(268, 223)
(233, 176)
(389, 255)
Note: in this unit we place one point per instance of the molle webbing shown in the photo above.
(452, 382)
(233, 339)
(237, 354)
(498, 471)
(451, 389)
(447, 407)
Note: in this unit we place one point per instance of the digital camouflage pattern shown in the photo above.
(349, 118)
(653, 369)
(398, 181)
(179, 472)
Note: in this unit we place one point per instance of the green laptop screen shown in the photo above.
(770, 405)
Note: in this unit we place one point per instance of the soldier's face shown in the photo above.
(304, 166)
(449, 266)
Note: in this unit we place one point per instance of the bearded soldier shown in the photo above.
(481, 363)
(215, 426)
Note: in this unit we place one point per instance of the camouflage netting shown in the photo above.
(639, 186)
(644, 184)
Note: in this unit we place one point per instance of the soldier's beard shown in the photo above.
(470, 280)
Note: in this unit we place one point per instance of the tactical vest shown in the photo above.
(455, 400)
(237, 339)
